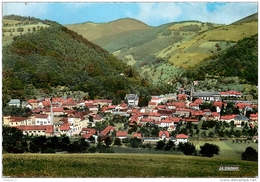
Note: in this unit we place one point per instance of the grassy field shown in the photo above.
(122, 165)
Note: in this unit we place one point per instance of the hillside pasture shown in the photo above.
(121, 165)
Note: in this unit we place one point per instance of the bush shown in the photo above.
(188, 148)
(208, 150)
(250, 154)
(48, 150)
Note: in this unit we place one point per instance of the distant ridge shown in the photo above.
(253, 17)
(93, 31)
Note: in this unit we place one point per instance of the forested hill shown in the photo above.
(56, 56)
(240, 60)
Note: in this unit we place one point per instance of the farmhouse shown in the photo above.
(37, 130)
(181, 138)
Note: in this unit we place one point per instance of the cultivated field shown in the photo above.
(121, 165)
(132, 163)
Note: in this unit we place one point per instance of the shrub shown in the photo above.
(250, 154)
(188, 148)
(208, 150)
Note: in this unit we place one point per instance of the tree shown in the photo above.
(208, 150)
(160, 145)
(168, 146)
(135, 142)
(108, 141)
(117, 142)
(250, 154)
(187, 148)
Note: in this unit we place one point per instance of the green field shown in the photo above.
(122, 165)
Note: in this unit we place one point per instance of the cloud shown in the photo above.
(225, 13)
(26, 9)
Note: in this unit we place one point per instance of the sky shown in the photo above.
(150, 12)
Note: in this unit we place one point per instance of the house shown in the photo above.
(154, 116)
(194, 106)
(37, 130)
(33, 103)
(196, 113)
(14, 102)
(88, 132)
(138, 135)
(181, 138)
(132, 100)
(65, 129)
(207, 112)
(254, 117)
(144, 121)
(191, 120)
(152, 105)
(231, 93)
(17, 121)
(121, 134)
(107, 130)
(239, 119)
(219, 105)
(43, 119)
(207, 96)
(157, 99)
(164, 135)
(169, 121)
(183, 112)
(228, 118)
(171, 128)
(182, 97)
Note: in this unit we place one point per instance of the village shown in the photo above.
(68, 117)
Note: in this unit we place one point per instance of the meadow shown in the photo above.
(123, 165)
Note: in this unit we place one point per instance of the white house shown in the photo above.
(181, 138)
(14, 102)
(42, 119)
(132, 99)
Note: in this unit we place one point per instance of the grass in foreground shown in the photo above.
(121, 165)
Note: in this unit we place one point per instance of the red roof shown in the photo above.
(166, 133)
(181, 136)
(107, 130)
(219, 104)
(183, 109)
(198, 101)
(146, 120)
(89, 130)
(179, 104)
(121, 134)
(57, 109)
(152, 103)
(241, 105)
(138, 135)
(228, 117)
(123, 104)
(197, 112)
(171, 119)
(65, 126)
(46, 103)
(17, 119)
(86, 135)
(43, 116)
(154, 114)
(32, 101)
(215, 114)
(191, 119)
(47, 128)
(182, 96)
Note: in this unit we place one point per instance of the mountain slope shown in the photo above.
(241, 60)
(56, 56)
(92, 31)
(160, 53)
